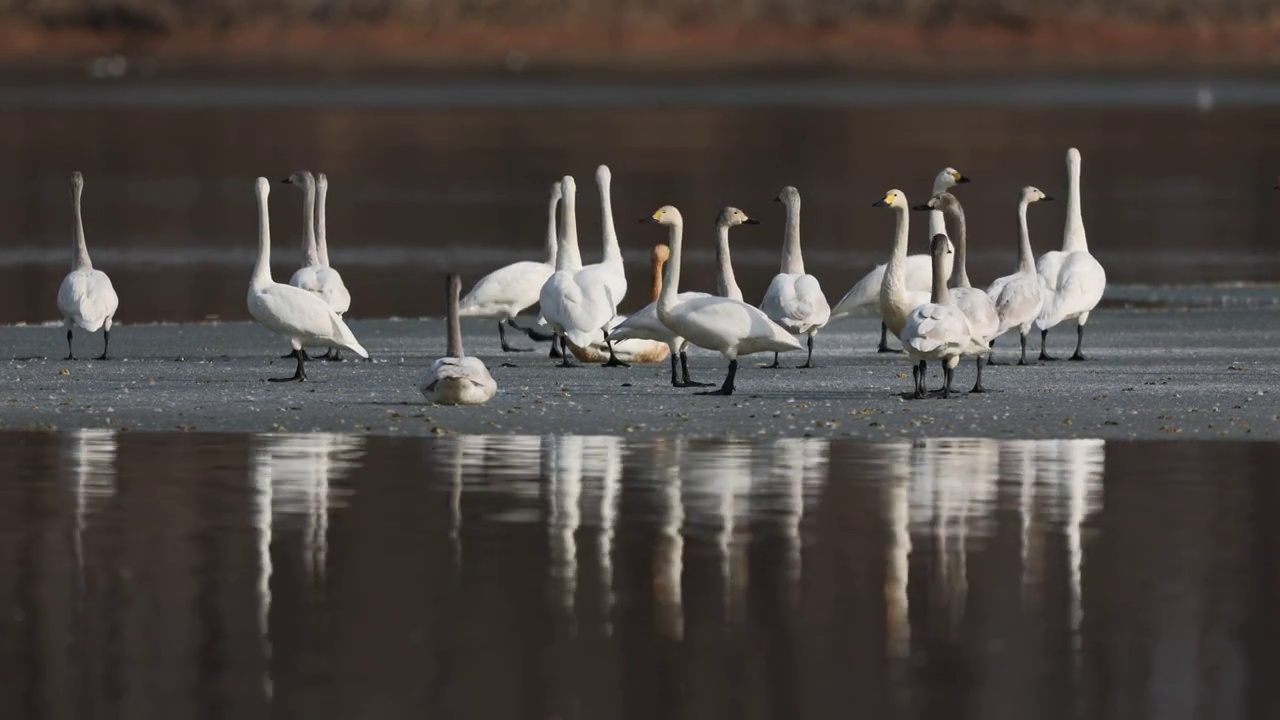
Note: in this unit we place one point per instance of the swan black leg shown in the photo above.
(299, 375)
(106, 343)
(727, 387)
(884, 340)
(1023, 360)
(556, 350)
(333, 355)
(533, 334)
(70, 355)
(977, 387)
(613, 359)
(564, 353)
(294, 354)
(915, 381)
(775, 364)
(808, 363)
(502, 336)
(684, 372)
(1078, 355)
(1044, 339)
(948, 374)
(675, 373)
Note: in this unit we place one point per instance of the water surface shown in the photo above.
(334, 576)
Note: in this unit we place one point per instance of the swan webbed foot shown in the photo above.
(103, 356)
(502, 338)
(717, 391)
(508, 348)
(615, 362)
(692, 383)
(776, 365)
(685, 380)
(807, 366)
(106, 343)
(294, 354)
(70, 355)
(332, 355)
(1077, 356)
(978, 389)
(1047, 357)
(299, 375)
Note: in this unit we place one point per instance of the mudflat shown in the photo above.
(1150, 374)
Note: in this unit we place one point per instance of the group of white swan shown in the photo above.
(579, 303)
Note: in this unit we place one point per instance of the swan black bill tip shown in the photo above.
(648, 219)
(751, 221)
(1050, 197)
(778, 199)
(880, 203)
(962, 180)
(287, 181)
(921, 207)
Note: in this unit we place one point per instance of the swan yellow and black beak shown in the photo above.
(1047, 197)
(648, 219)
(961, 179)
(751, 221)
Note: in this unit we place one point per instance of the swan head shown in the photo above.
(732, 216)
(557, 191)
(789, 197)
(77, 181)
(894, 198)
(1073, 158)
(1032, 194)
(301, 177)
(322, 181)
(665, 215)
(661, 254)
(567, 186)
(949, 178)
(941, 201)
(262, 186)
(941, 246)
(603, 175)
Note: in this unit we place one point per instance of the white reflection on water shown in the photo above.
(717, 489)
(93, 462)
(571, 461)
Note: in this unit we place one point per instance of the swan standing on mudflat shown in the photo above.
(863, 299)
(646, 323)
(293, 313)
(86, 297)
(794, 299)
(939, 330)
(506, 292)
(725, 325)
(456, 379)
(635, 348)
(1020, 297)
(332, 289)
(974, 303)
(578, 304)
(1073, 278)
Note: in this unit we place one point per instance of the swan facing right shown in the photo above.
(301, 317)
(86, 298)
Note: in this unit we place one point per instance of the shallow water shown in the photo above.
(340, 576)
(428, 178)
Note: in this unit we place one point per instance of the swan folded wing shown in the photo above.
(979, 309)
(508, 289)
(1049, 266)
(580, 309)
(469, 369)
(796, 302)
(1019, 300)
(863, 299)
(932, 328)
(87, 298)
(296, 313)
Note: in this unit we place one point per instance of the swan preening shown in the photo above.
(647, 325)
(725, 325)
(456, 379)
(316, 276)
(1073, 279)
(508, 291)
(794, 299)
(300, 316)
(86, 298)
(863, 299)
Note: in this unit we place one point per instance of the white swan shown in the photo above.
(896, 301)
(506, 292)
(974, 303)
(1019, 297)
(637, 348)
(579, 303)
(725, 325)
(863, 299)
(939, 330)
(456, 379)
(1074, 279)
(293, 313)
(332, 289)
(794, 299)
(307, 277)
(86, 298)
(647, 325)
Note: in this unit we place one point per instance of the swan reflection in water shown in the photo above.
(571, 461)
(92, 453)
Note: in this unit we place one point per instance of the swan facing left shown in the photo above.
(297, 315)
(86, 298)
(456, 379)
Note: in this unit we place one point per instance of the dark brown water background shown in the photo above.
(428, 178)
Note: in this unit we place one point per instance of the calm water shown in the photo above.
(328, 576)
(431, 178)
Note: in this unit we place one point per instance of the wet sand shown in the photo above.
(1151, 374)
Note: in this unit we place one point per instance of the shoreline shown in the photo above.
(1040, 44)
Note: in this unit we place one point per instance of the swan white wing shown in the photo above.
(459, 381)
(984, 321)
(935, 331)
(333, 290)
(303, 316)
(728, 326)
(1018, 299)
(920, 273)
(87, 299)
(863, 299)
(507, 291)
(1048, 267)
(1081, 283)
(576, 306)
(796, 302)
(646, 325)
(306, 278)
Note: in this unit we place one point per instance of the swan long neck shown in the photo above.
(311, 254)
(455, 326)
(568, 257)
(612, 253)
(262, 268)
(894, 284)
(937, 221)
(792, 260)
(671, 285)
(1073, 239)
(726, 284)
(940, 296)
(655, 272)
(1026, 261)
(322, 235)
(79, 250)
(961, 274)
(553, 240)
